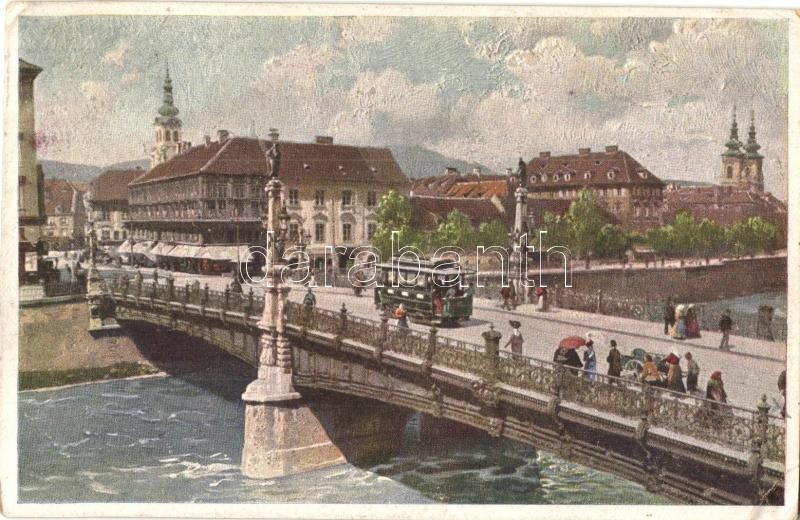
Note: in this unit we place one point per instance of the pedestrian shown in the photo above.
(692, 325)
(541, 293)
(236, 287)
(505, 294)
(669, 316)
(567, 357)
(715, 389)
(513, 296)
(650, 374)
(692, 373)
(674, 373)
(402, 316)
(782, 389)
(725, 326)
(471, 290)
(309, 300)
(614, 360)
(531, 295)
(590, 361)
(516, 340)
(679, 328)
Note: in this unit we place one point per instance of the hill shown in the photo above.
(86, 172)
(416, 162)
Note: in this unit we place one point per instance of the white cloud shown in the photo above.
(118, 55)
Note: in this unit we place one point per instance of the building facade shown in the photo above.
(107, 207)
(31, 178)
(632, 195)
(66, 215)
(202, 208)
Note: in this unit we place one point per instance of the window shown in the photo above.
(729, 172)
(347, 232)
(124, 234)
(175, 135)
(347, 198)
(567, 177)
(294, 197)
(371, 229)
(116, 235)
(219, 191)
(294, 230)
(319, 232)
(104, 234)
(238, 191)
(319, 198)
(587, 175)
(372, 198)
(168, 135)
(611, 174)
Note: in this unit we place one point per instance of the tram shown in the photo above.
(432, 292)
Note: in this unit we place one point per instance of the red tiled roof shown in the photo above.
(480, 189)
(112, 185)
(724, 205)
(61, 196)
(626, 170)
(429, 211)
(299, 161)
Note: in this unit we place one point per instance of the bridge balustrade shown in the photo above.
(696, 417)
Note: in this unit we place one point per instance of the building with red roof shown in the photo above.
(66, 215)
(107, 201)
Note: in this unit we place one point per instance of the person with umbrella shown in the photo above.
(566, 354)
(516, 338)
(715, 389)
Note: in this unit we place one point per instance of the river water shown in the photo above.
(179, 438)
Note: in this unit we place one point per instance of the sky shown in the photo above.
(484, 90)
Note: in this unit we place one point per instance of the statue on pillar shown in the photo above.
(522, 173)
(274, 159)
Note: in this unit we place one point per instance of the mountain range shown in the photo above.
(415, 161)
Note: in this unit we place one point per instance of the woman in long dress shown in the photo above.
(679, 329)
(590, 361)
(541, 292)
(692, 326)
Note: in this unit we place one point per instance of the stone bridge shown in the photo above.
(335, 387)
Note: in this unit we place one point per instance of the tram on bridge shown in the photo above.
(432, 292)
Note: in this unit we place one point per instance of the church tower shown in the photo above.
(733, 157)
(753, 161)
(167, 128)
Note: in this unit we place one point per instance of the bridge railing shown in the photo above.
(694, 416)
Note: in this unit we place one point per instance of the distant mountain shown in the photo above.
(86, 172)
(416, 162)
(144, 164)
(69, 171)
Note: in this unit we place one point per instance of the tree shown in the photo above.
(456, 231)
(710, 239)
(662, 240)
(685, 235)
(747, 237)
(495, 233)
(394, 214)
(586, 218)
(612, 242)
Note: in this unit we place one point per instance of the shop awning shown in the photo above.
(222, 253)
(124, 247)
(162, 249)
(185, 251)
(142, 247)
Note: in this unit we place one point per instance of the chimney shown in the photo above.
(584, 151)
(544, 155)
(612, 148)
(323, 139)
(273, 134)
(222, 136)
(207, 140)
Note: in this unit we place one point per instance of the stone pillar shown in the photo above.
(282, 434)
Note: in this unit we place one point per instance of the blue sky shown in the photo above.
(485, 90)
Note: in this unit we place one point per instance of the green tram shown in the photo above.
(432, 291)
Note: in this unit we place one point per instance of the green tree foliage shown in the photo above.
(750, 236)
(612, 242)
(685, 232)
(494, 233)
(710, 239)
(586, 219)
(394, 214)
(456, 231)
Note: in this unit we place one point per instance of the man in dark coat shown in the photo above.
(568, 357)
(669, 315)
(614, 359)
(725, 326)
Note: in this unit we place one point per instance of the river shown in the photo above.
(179, 439)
